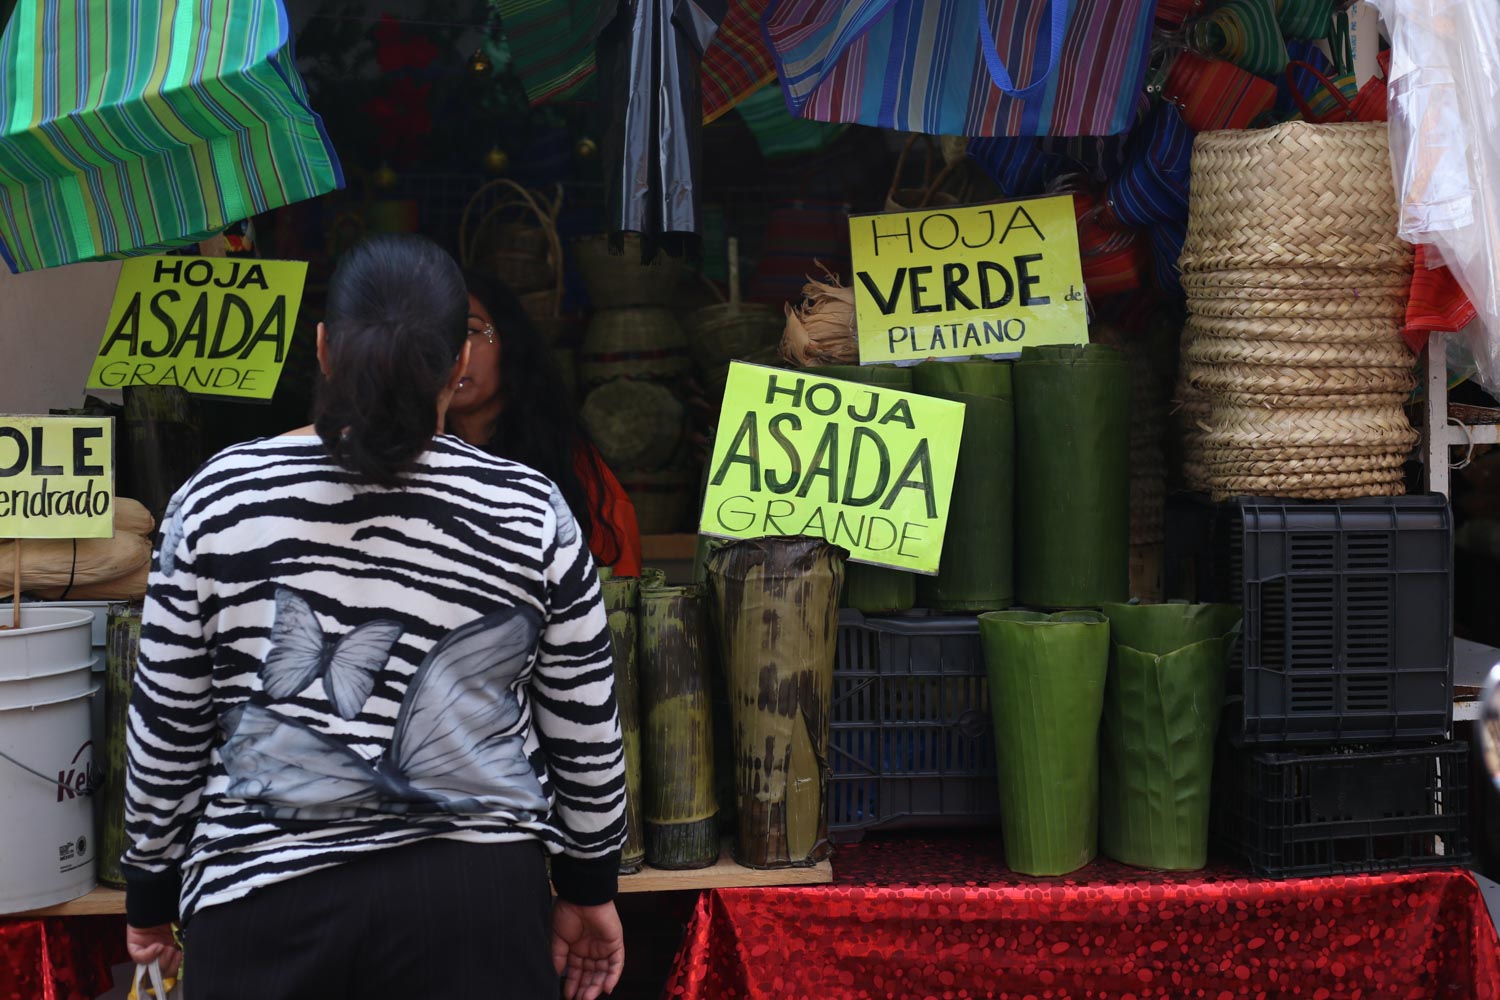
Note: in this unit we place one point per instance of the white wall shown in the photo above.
(51, 325)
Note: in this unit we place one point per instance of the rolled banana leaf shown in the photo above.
(122, 648)
(677, 741)
(1047, 676)
(1072, 477)
(1161, 717)
(875, 590)
(976, 572)
(775, 603)
(621, 594)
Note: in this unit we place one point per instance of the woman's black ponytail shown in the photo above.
(396, 319)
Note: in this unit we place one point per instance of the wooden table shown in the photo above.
(726, 874)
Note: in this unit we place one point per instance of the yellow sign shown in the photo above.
(57, 477)
(981, 280)
(868, 468)
(216, 326)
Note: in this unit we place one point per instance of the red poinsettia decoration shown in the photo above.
(402, 111)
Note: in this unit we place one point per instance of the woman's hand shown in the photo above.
(588, 949)
(154, 944)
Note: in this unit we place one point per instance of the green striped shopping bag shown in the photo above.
(130, 126)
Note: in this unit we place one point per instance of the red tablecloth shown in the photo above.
(59, 958)
(942, 919)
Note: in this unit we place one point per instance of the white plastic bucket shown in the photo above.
(100, 610)
(47, 769)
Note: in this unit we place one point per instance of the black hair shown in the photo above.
(397, 321)
(538, 425)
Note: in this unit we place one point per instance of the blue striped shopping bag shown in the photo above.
(964, 67)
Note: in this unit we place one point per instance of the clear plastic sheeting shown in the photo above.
(1444, 98)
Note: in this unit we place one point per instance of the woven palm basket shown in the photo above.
(1294, 196)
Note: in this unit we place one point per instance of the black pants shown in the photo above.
(436, 920)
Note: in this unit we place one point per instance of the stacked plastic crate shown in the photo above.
(911, 743)
(1337, 758)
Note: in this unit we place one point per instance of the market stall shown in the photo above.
(1019, 406)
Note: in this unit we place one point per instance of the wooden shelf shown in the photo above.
(724, 875)
(668, 547)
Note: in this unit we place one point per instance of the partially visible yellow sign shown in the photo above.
(980, 280)
(215, 326)
(57, 477)
(867, 468)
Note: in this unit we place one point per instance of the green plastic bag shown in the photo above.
(976, 572)
(1161, 717)
(1072, 477)
(1047, 676)
(874, 590)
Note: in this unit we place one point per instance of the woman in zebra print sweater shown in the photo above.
(374, 692)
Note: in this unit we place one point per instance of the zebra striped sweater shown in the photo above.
(329, 668)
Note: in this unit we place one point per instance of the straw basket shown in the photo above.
(515, 238)
(663, 500)
(1296, 195)
(634, 424)
(731, 330)
(618, 281)
(1296, 284)
(641, 343)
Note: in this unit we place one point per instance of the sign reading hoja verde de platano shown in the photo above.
(867, 468)
(214, 326)
(980, 280)
(57, 477)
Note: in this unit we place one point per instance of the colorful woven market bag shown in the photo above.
(113, 143)
(1153, 187)
(964, 67)
(778, 133)
(1243, 32)
(1305, 19)
(1214, 94)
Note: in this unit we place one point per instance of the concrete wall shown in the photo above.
(51, 325)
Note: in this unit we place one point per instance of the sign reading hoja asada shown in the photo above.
(972, 281)
(867, 468)
(214, 326)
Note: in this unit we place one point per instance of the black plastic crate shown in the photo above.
(1348, 628)
(1294, 814)
(912, 742)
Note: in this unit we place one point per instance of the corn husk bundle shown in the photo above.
(822, 329)
(98, 569)
(1295, 281)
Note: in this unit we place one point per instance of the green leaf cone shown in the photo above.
(1161, 717)
(1047, 676)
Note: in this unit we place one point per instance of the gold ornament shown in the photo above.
(385, 177)
(586, 149)
(496, 160)
(479, 63)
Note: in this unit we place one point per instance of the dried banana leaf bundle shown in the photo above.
(775, 604)
(679, 804)
(621, 595)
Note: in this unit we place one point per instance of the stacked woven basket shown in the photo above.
(631, 368)
(1294, 372)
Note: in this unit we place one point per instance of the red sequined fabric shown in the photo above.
(942, 918)
(59, 958)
